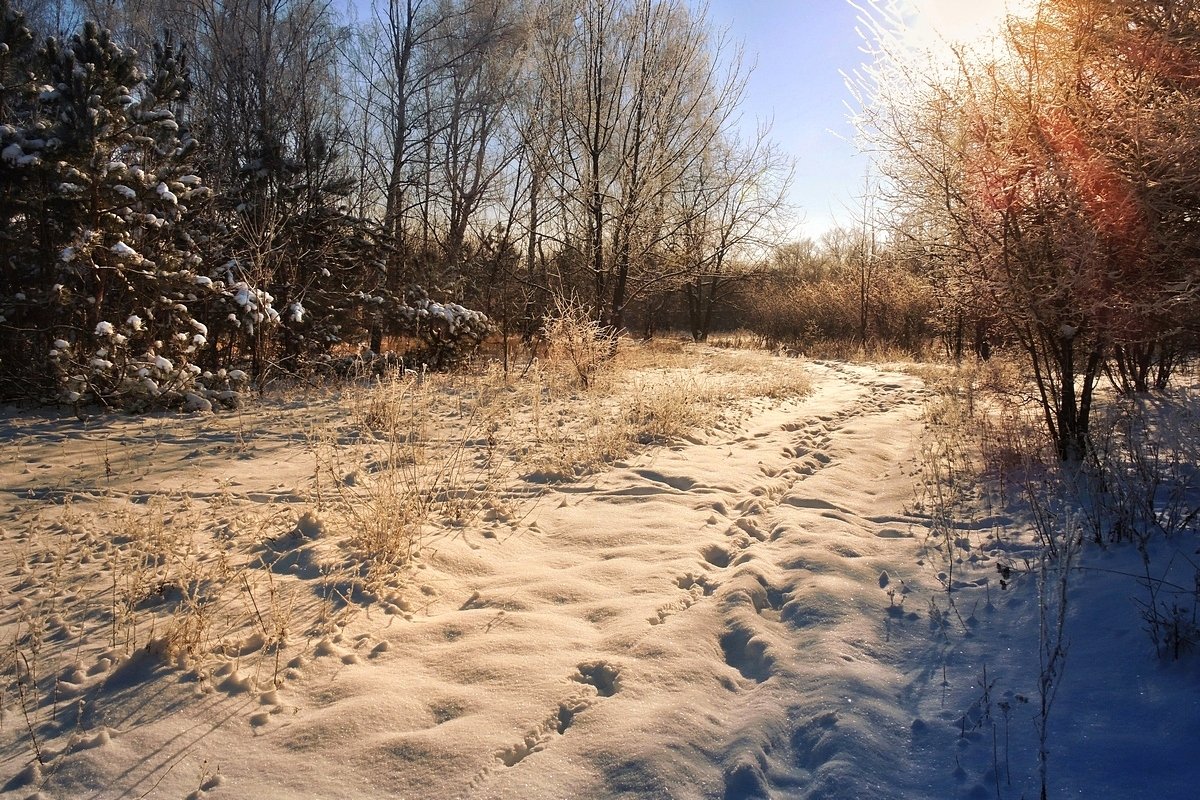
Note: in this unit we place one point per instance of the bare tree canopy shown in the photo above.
(1051, 177)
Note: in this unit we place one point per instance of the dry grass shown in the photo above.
(982, 451)
(653, 393)
(104, 588)
(990, 409)
(237, 585)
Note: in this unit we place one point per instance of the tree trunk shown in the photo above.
(1074, 408)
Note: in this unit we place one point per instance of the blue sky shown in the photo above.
(800, 48)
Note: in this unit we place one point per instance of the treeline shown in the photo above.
(195, 193)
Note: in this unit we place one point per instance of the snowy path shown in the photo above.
(709, 620)
(694, 624)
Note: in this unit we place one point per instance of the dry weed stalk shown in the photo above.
(418, 453)
(578, 344)
(1137, 487)
(147, 579)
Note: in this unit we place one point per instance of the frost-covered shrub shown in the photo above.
(124, 280)
(123, 366)
(448, 331)
(445, 333)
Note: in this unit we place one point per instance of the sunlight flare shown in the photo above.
(955, 21)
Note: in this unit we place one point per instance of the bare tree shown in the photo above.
(639, 94)
(733, 213)
(1023, 174)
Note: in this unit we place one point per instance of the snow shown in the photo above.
(194, 403)
(165, 193)
(245, 296)
(104, 329)
(15, 155)
(750, 610)
(123, 250)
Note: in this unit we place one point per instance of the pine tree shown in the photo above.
(98, 204)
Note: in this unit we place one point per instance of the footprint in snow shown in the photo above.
(750, 529)
(600, 674)
(815, 741)
(688, 581)
(776, 599)
(717, 555)
(744, 779)
(747, 653)
(676, 482)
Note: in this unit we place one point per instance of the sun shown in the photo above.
(954, 22)
(933, 31)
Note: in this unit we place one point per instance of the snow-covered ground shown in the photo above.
(752, 610)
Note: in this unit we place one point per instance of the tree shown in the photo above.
(638, 95)
(100, 272)
(1146, 107)
(732, 206)
(270, 100)
(1031, 177)
(481, 72)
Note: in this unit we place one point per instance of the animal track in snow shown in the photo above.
(603, 680)
(697, 588)
(541, 735)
